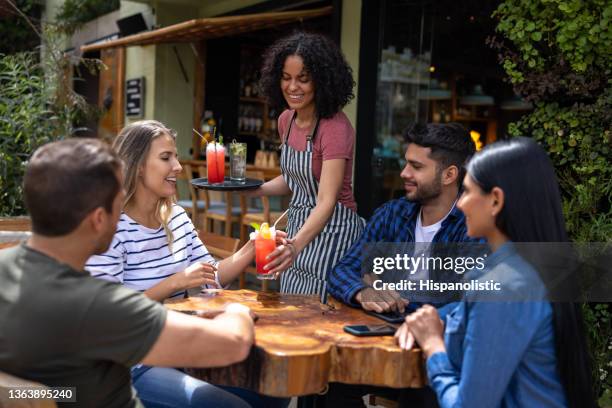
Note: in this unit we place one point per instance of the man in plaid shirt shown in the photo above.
(432, 177)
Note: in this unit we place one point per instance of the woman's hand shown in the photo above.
(424, 326)
(283, 256)
(196, 275)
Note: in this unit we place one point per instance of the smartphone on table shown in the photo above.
(363, 330)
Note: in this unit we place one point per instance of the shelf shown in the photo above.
(242, 133)
(252, 99)
(471, 119)
(402, 80)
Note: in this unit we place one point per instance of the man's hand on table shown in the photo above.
(381, 301)
(241, 309)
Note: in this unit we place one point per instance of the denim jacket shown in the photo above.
(499, 353)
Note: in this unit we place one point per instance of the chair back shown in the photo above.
(265, 201)
(9, 382)
(15, 224)
(204, 194)
(4, 245)
(186, 175)
(264, 158)
(219, 246)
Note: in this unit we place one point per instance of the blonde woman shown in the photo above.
(156, 250)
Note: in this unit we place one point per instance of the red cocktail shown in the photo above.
(265, 243)
(215, 162)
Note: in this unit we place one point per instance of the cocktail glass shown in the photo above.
(265, 243)
(215, 162)
(238, 155)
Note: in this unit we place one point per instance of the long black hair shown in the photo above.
(323, 60)
(532, 213)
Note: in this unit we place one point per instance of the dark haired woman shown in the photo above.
(498, 352)
(306, 75)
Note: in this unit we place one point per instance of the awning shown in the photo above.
(207, 28)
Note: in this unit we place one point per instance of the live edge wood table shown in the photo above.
(300, 347)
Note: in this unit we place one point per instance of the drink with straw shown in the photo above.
(265, 243)
(238, 155)
(215, 162)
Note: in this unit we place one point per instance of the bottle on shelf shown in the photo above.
(207, 125)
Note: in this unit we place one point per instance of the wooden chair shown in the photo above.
(15, 224)
(192, 205)
(10, 382)
(223, 211)
(256, 213)
(13, 230)
(221, 247)
(4, 245)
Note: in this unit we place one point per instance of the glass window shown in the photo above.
(435, 66)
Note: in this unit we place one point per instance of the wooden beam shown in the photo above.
(112, 83)
(199, 29)
(198, 94)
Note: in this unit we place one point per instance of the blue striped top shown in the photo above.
(139, 257)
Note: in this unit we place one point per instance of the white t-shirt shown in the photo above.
(426, 234)
(139, 257)
(423, 236)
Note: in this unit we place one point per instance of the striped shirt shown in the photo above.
(140, 257)
(394, 221)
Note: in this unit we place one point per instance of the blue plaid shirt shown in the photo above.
(394, 221)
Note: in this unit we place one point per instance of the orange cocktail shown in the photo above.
(265, 243)
(215, 162)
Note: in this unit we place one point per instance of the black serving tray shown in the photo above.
(227, 185)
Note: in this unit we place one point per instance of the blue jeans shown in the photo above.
(160, 387)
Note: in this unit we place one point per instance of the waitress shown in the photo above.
(307, 76)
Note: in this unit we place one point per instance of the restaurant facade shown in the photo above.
(194, 64)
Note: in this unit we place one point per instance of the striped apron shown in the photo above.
(308, 274)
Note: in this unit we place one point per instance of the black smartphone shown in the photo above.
(370, 330)
(390, 317)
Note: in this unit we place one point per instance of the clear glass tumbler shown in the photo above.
(238, 156)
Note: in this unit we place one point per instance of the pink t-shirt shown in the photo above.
(335, 139)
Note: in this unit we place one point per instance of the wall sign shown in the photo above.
(134, 97)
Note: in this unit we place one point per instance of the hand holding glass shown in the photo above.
(265, 244)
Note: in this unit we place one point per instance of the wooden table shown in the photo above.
(301, 347)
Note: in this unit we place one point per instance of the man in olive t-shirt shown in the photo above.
(63, 328)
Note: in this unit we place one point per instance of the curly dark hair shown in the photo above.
(323, 60)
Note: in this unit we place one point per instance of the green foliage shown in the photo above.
(16, 33)
(22, 111)
(542, 30)
(579, 142)
(555, 49)
(557, 54)
(597, 320)
(74, 13)
(37, 105)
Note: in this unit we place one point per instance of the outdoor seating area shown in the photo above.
(305, 204)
